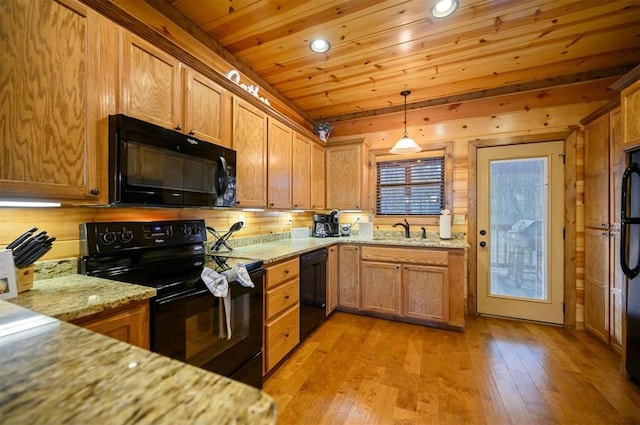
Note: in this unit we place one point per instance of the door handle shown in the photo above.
(483, 244)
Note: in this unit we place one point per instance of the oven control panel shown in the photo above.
(111, 237)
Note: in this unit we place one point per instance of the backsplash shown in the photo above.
(66, 266)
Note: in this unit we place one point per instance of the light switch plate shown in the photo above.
(458, 219)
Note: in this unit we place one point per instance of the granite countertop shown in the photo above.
(55, 372)
(76, 295)
(271, 252)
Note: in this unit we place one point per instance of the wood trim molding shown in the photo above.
(628, 79)
(604, 109)
(569, 219)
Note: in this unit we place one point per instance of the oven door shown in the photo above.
(190, 327)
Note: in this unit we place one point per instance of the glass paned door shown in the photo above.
(520, 216)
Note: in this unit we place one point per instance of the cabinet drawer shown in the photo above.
(282, 335)
(405, 255)
(283, 271)
(282, 297)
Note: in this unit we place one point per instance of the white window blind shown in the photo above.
(410, 186)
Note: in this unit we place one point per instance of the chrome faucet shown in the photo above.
(406, 227)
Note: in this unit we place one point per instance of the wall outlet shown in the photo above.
(458, 219)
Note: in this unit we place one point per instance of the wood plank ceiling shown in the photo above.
(379, 48)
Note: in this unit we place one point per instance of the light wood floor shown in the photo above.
(360, 370)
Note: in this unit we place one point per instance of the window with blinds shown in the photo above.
(410, 186)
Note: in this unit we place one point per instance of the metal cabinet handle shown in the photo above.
(95, 191)
(178, 127)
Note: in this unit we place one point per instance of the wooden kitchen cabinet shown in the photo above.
(52, 116)
(596, 173)
(301, 173)
(157, 88)
(417, 285)
(317, 177)
(630, 99)
(617, 279)
(604, 280)
(129, 323)
(250, 144)
(279, 143)
(332, 278)
(380, 289)
(282, 311)
(151, 83)
(425, 293)
(347, 175)
(349, 277)
(207, 109)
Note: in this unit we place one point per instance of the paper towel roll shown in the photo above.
(445, 226)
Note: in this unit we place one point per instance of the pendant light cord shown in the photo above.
(405, 94)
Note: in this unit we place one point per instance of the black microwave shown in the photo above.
(153, 166)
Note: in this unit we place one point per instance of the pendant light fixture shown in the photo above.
(406, 144)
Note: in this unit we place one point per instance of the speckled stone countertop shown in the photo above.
(271, 252)
(73, 296)
(53, 372)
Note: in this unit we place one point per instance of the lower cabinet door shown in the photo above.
(425, 293)
(380, 287)
(282, 335)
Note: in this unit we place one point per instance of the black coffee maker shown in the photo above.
(326, 225)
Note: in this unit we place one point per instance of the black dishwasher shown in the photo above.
(313, 290)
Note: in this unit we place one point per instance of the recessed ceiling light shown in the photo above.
(320, 45)
(444, 8)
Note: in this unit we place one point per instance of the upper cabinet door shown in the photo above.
(630, 100)
(54, 100)
(279, 165)
(151, 83)
(207, 109)
(317, 177)
(250, 144)
(596, 173)
(347, 176)
(301, 180)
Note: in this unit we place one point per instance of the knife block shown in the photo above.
(24, 278)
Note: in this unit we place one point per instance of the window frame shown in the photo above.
(374, 155)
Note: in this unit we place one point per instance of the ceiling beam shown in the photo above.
(483, 94)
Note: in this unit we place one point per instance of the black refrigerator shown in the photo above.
(630, 258)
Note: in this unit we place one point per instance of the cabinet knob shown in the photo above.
(192, 133)
(95, 191)
(286, 335)
(286, 297)
(178, 127)
(271, 205)
(286, 271)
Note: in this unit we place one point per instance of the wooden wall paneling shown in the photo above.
(63, 223)
(570, 231)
